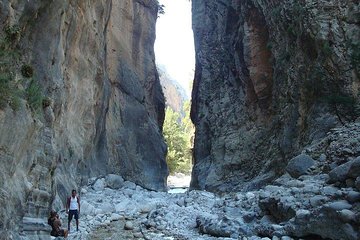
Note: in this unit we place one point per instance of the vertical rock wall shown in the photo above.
(94, 61)
(271, 77)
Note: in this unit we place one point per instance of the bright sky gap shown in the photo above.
(174, 45)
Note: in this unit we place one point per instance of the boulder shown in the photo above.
(299, 165)
(357, 183)
(354, 170)
(99, 185)
(114, 181)
(345, 171)
(129, 226)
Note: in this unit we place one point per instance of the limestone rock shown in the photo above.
(129, 225)
(345, 171)
(114, 181)
(94, 63)
(256, 97)
(99, 185)
(299, 165)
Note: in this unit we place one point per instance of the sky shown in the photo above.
(174, 45)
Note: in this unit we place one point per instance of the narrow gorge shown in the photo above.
(275, 104)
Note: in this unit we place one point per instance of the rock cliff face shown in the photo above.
(174, 93)
(104, 106)
(271, 77)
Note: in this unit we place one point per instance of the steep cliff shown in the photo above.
(271, 77)
(101, 106)
(174, 93)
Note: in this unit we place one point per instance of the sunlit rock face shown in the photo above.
(271, 77)
(94, 61)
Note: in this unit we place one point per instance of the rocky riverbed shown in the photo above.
(305, 208)
(318, 197)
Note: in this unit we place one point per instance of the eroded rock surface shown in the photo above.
(94, 61)
(271, 77)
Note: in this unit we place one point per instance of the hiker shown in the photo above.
(73, 209)
(55, 223)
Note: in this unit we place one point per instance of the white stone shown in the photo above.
(129, 226)
(99, 185)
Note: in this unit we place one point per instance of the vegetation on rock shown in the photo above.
(11, 86)
(178, 132)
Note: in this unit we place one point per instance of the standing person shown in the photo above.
(73, 209)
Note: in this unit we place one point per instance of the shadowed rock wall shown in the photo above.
(271, 77)
(94, 61)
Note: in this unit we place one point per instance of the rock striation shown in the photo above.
(103, 107)
(271, 77)
(175, 94)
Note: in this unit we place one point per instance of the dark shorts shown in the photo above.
(73, 213)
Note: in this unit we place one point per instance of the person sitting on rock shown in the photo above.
(55, 223)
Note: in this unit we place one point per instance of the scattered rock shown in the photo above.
(339, 205)
(353, 197)
(299, 165)
(114, 181)
(129, 185)
(99, 185)
(347, 216)
(129, 226)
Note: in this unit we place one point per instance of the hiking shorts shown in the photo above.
(74, 213)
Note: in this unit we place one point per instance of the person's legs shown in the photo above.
(77, 220)
(71, 213)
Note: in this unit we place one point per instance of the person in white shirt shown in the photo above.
(73, 209)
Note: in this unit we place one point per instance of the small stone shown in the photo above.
(353, 197)
(115, 217)
(331, 191)
(250, 195)
(286, 238)
(129, 185)
(302, 214)
(138, 235)
(318, 200)
(347, 215)
(129, 226)
(339, 205)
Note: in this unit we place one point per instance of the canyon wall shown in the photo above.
(271, 78)
(91, 65)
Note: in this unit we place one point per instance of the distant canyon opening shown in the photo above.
(175, 60)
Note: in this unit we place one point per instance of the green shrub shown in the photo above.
(34, 96)
(178, 133)
(12, 33)
(27, 71)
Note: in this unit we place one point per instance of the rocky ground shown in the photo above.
(317, 198)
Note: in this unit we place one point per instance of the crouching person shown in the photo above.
(55, 223)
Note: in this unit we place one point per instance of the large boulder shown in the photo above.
(99, 185)
(350, 169)
(114, 181)
(299, 165)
